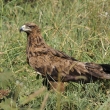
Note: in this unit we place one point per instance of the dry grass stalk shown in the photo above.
(32, 96)
(44, 102)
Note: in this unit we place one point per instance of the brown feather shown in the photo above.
(55, 65)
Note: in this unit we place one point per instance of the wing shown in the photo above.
(49, 50)
(62, 55)
(53, 63)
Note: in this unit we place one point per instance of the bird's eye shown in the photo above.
(31, 26)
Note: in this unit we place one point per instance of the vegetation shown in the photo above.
(81, 28)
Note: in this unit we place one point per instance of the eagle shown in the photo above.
(55, 66)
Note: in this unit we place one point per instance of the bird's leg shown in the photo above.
(57, 86)
(53, 85)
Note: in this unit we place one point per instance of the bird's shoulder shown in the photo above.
(49, 51)
(53, 52)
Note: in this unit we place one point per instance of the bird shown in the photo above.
(56, 67)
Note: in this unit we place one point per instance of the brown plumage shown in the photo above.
(56, 66)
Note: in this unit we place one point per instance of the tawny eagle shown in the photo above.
(56, 66)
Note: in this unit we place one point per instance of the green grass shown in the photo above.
(81, 28)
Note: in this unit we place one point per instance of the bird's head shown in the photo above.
(30, 28)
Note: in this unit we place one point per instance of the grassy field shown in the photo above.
(81, 28)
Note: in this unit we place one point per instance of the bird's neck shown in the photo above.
(35, 40)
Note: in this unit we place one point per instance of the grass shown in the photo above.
(81, 28)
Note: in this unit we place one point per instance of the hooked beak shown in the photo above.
(20, 30)
(25, 28)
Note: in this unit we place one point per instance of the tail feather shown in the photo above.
(101, 71)
(106, 68)
(106, 76)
